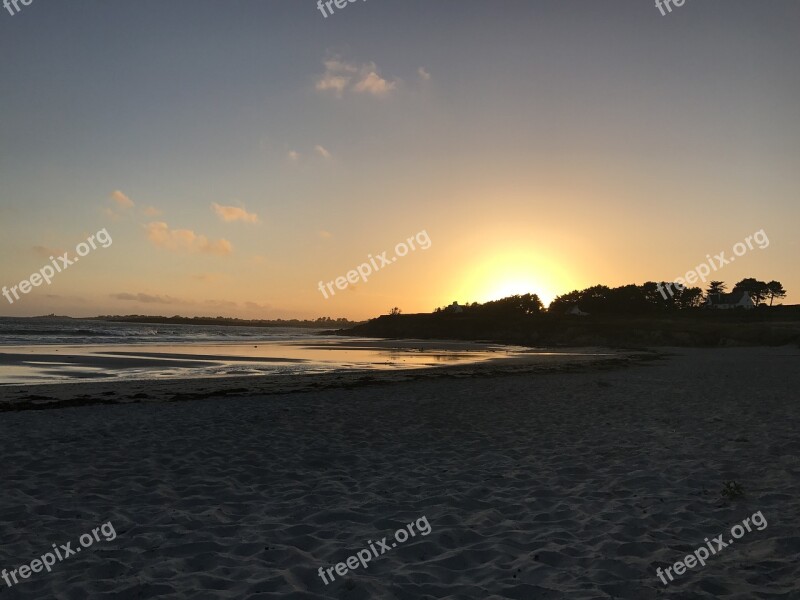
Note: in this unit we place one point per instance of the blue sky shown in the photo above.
(543, 145)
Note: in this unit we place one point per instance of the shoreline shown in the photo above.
(47, 396)
(36, 364)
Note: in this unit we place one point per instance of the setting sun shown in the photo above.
(513, 272)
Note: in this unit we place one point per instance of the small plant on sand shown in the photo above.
(732, 490)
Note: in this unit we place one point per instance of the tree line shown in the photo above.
(759, 291)
(627, 299)
(647, 298)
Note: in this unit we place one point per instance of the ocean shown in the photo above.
(62, 350)
(59, 330)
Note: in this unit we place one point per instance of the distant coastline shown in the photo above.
(320, 323)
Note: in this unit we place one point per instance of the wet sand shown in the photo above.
(42, 364)
(150, 373)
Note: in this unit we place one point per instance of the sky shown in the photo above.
(243, 155)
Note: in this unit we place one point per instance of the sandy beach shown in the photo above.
(538, 484)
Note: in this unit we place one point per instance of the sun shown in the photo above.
(510, 273)
(516, 286)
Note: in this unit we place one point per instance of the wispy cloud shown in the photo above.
(146, 298)
(322, 151)
(374, 84)
(325, 235)
(46, 252)
(257, 306)
(423, 73)
(234, 213)
(120, 205)
(293, 156)
(207, 277)
(329, 81)
(151, 211)
(337, 76)
(341, 76)
(122, 200)
(225, 304)
(186, 240)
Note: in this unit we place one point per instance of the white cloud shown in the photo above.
(341, 76)
(256, 306)
(207, 277)
(121, 204)
(110, 214)
(222, 304)
(46, 251)
(322, 151)
(186, 240)
(337, 83)
(336, 64)
(423, 73)
(234, 213)
(122, 200)
(151, 211)
(146, 298)
(374, 84)
(293, 156)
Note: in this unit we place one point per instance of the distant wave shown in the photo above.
(15, 331)
(61, 332)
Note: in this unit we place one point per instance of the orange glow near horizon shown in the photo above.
(513, 272)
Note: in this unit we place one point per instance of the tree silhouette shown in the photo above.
(395, 312)
(512, 306)
(527, 304)
(775, 290)
(690, 297)
(648, 298)
(757, 289)
(716, 287)
(564, 302)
